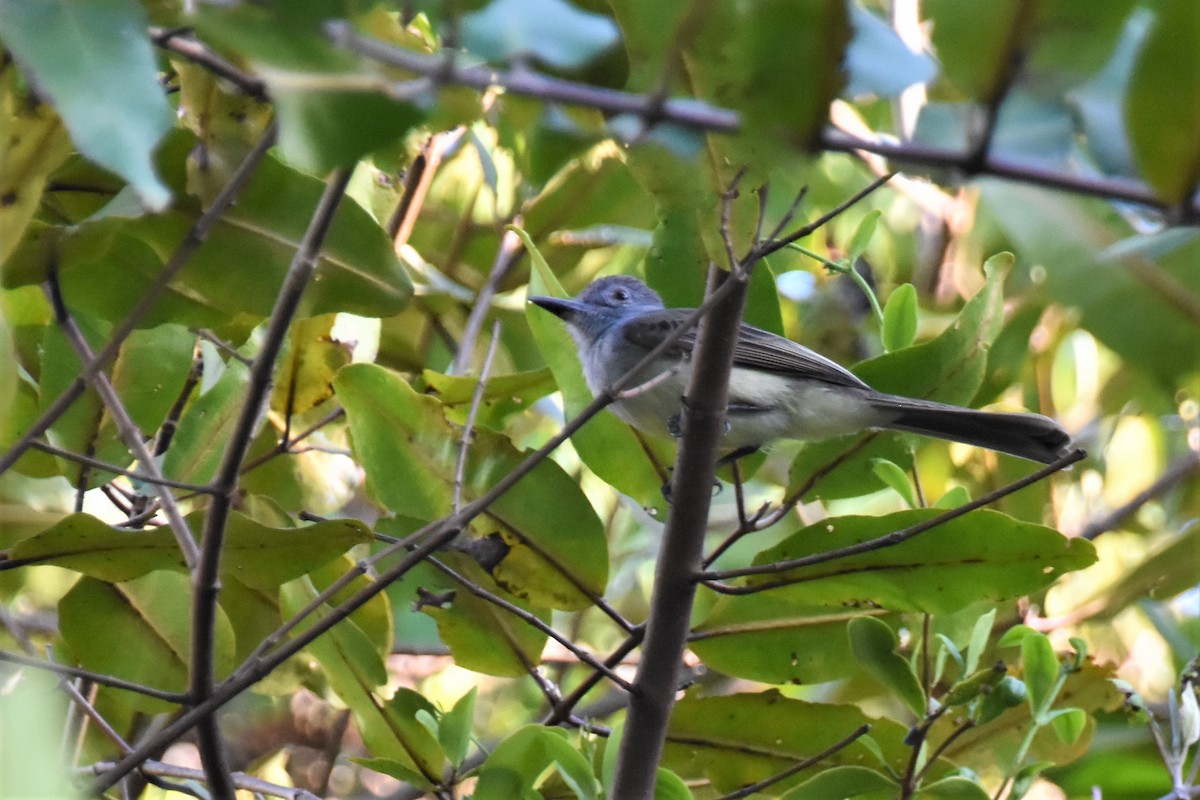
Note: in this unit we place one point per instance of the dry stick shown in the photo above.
(130, 435)
(836, 747)
(94, 677)
(206, 580)
(416, 184)
(442, 69)
(712, 578)
(1175, 473)
(912, 153)
(191, 241)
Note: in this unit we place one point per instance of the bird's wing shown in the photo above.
(755, 348)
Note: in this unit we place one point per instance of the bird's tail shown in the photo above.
(1029, 436)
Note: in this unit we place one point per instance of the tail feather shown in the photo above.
(1029, 436)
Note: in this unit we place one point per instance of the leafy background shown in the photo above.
(315, 411)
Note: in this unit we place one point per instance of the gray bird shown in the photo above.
(778, 389)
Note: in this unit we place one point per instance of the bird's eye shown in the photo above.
(620, 295)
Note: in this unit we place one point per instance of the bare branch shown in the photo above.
(1175, 474)
(799, 766)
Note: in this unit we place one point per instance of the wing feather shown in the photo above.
(755, 348)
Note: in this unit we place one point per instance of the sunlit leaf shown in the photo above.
(983, 555)
(553, 32)
(874, 646)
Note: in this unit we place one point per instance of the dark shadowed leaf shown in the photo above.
(146, 632)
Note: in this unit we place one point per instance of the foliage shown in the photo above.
(298, 458)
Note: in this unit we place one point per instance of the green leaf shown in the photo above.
(895, 479)
(1041, 671)
(862, 236)
(900, 318)
(454, 731)
(332, 109)
(503, 395)
(357, 271)
(312, 358)
(954, 497)
(515, 767)
(767, 638)
(35, 144)
(842, 782)
(669, 786)
(953, 789)
(553, 32)
(1159, 292)
(206, 427)
(874, 646)
(95, 62)
(482, 636)
(1024, 779)
(410, 452)
(983, 555)
(1162, 106)
(977, 645)
(737, 740)
(1007, 693)
(1069, 723)
(150, 618)
(256, 555)
(974, 42)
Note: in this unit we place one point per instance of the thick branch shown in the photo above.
(680, 558)
(206, 580)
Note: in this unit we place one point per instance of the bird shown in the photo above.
(778, 389)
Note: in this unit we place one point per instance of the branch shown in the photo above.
(679, 560)
(1176, 473)
(94, 677)
(130, 435)
(443, 69)
(206, 579)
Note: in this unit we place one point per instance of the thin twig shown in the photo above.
(94, 677)
(1175, 474)
(130, 435)
(530, 619)
(507, 256)
(464, 443)
(834, 748)
(240, 780)
(106, 466)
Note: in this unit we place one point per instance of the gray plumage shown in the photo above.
(778, 389)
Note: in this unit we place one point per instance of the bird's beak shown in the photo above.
(564, 308)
